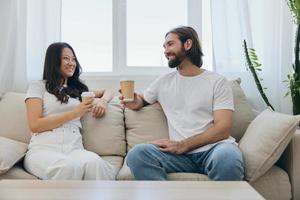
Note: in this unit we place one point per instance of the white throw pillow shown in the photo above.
(11, 152)
(265, 140)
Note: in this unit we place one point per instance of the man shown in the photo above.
(198, 105)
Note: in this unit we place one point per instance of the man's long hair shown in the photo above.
(195, 52)
(53, 77)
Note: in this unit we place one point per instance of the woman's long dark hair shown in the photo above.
(195, 52)
(53, 77)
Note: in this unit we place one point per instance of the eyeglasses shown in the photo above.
(68, 59)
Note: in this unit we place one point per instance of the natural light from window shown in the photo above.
(87, 27)
(136, 30)
(147, 24)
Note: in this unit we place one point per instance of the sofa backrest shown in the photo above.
(104, 136)
(108, 135)
(13, 120)
(150, 123)
(243, 114)
(147, 124)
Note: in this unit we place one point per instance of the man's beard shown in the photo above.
(177, 60)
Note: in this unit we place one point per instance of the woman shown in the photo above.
(54, 109)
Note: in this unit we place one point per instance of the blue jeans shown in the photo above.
(223, 162)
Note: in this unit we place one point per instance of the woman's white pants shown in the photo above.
(59, 155)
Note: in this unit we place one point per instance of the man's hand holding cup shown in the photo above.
(128, 97)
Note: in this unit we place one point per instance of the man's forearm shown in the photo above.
(142, 101)
(213, 134)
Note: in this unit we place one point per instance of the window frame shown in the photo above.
(119, 40)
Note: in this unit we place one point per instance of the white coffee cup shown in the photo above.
(85, 96)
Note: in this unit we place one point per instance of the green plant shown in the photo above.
(294, 78)
(254, 66)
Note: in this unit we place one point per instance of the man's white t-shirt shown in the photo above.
(51, 106)
(189, 102)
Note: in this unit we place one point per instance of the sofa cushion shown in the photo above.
(17, 172)
(242, 115)
(115, 161)
(147, 124)
(13, 120)
(106, 135)
(10, 153)
(125, 174)
(266, 187)
(265, 140)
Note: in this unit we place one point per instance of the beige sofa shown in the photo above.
(113, 135)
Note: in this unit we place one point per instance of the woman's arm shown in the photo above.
(37, 123)
(103, 97)
(104, 94)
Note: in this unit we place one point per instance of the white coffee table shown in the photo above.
(123, 190)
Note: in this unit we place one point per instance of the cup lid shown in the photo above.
(88, 94)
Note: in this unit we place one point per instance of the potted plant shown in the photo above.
(294, 78)
(254, 66)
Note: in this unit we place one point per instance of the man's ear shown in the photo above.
(188, 44)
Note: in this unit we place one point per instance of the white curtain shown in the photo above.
(267, 27)
(27, 28)
(12, 45)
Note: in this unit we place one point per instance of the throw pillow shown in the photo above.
(265, 140)
(105, 136)
(13, 119)
(147, 124)
(11, 152)
(243, 114)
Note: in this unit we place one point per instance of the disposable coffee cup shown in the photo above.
(86, 96)
(127, 89)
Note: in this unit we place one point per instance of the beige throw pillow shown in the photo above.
(265, 140)
(11, 152)
(242, 115)
(147, 124)
(13, 119)
(106, 135)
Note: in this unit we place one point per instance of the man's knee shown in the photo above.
(227, 163)
(138, 152)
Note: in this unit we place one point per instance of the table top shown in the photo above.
(133, 190)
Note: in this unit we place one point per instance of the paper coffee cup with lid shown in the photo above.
(127, 89)
(85, 96)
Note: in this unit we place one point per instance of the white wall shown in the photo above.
(113, 82)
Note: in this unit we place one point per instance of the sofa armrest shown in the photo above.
(290, 162)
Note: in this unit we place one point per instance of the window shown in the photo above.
(147, 24)
(88, 29)
(126, 37)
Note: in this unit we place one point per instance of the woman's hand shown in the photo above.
(99, 107)
(83, 108)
